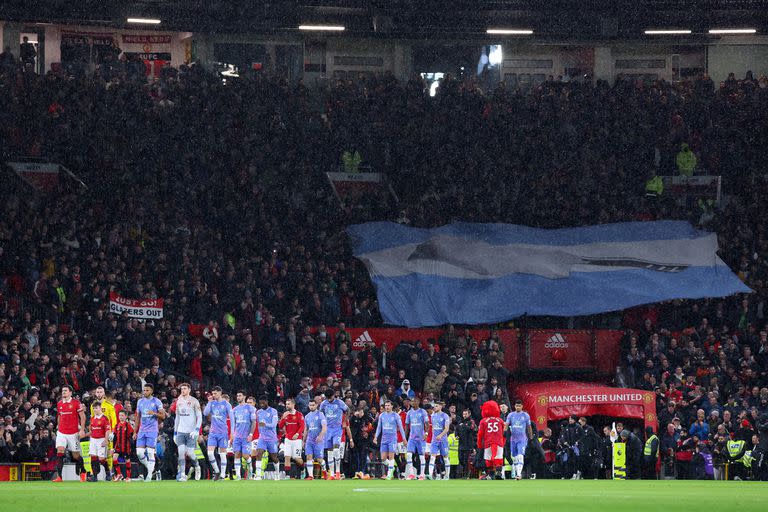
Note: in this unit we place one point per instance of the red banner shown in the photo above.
(548, 349)
(561, 349)
(547, 401)
(608, 350)
(393, 336)
(41, 176)
(349, 188)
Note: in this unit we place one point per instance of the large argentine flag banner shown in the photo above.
(485, 273)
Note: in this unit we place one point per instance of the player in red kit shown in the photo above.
(71, 428)
(101, 427)
(490, 438)
(292, 423)
(122, 446)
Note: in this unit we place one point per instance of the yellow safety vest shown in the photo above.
(619, 461)
(686, 162)
(453, 450)
(734, 447)
(654, 186)
(648, 450)
(84, 448)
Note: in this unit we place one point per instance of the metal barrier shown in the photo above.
(30, 471)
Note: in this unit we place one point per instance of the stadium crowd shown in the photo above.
(212, 196)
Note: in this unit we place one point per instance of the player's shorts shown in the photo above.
(188, 440)
(70, 442)
(427, 447)
(440, 447)
(146, 440)
(314, 450)
(416, 446)
(389, 447)
(517, 447)
(98, 448)
(218, 440)
(241, 445)
(332, 438)
(400, 448)
(267, 446)
(292, 448)
(494, 452)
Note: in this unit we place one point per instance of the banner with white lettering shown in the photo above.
(150, 309)
(555, 400)
(146, 39)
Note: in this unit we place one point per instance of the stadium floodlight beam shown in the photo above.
(732, 31)
(323, 28)
(671, 31)
(143, 21)
(510, 31)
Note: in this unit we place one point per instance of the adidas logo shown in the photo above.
(363, 338)
(556, 341)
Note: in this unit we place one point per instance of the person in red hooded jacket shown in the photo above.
(490, 437)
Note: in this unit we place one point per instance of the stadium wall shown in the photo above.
(737, 55)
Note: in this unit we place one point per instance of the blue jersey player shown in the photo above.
(218, 411)
(416, 425)
(149, 410)
(315, 428)
(242, 427)
(519, 424)
(387, 427)
(334, 410)
(267, 442)
(441, 424)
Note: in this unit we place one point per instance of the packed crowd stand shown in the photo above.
(212, 196)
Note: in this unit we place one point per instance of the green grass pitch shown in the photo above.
(372, 495)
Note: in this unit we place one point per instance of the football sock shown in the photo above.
(59, 463)
(212, 460)
(182, 459)
(79, 466)
(150, 462)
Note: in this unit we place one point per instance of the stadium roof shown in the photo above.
(579, 19)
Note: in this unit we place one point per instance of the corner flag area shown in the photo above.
(371, 495)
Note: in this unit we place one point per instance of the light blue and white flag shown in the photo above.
(486, 273)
